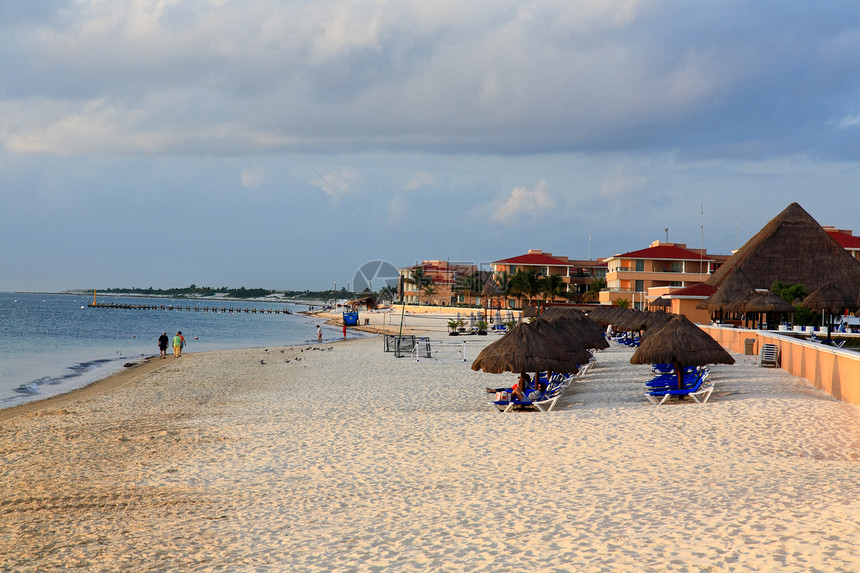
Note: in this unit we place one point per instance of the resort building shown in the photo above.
(439, 283)
(846, 240)
(641, 276)
(576, 274)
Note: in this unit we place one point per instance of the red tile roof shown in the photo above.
(668, 252)
(844, 239)
(533, 259)
(698, 289)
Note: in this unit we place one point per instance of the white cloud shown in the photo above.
(253, 177)
(336, 183)
(621, 186)
(849, 121)
(527, 203)
(422, 179)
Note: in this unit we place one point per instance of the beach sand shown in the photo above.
(348, 459)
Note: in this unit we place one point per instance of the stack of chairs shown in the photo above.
(769, 355)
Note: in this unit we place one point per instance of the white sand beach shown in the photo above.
(348, 459)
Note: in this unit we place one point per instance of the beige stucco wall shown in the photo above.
(833, 370)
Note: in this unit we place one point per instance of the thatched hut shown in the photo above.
(792, 248)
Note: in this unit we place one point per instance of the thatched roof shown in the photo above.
(530, 348)
(680, 341)
(735, 288)
(830, 297)
(660, 302)
(792, 248)
(762, 302)
(573, 323)
(492, 288)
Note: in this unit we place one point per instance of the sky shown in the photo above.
(284, 144)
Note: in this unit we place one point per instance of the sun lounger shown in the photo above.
(669, 380)
(769, 355)
(700, 391)
(545, 402)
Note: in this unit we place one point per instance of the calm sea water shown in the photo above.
(53, 343)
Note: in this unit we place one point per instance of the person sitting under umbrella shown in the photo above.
(521, 387)
(518, 389)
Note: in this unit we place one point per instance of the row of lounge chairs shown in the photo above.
(697, 384)
(556, 385)
(626, 339)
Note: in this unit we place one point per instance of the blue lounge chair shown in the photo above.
(670, 380)
(700, 391)
(545, 402)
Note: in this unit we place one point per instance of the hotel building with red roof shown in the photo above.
(662, 266)
(576, 274)
(444, 277)
(846, 239)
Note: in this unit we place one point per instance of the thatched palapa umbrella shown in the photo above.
(831, 299)
(529, 348)
(757, 302)
(734, 289)
(681, 343)
(661, 303)
(491, 291)
(574, 328)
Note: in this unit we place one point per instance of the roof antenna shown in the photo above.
(666, 230)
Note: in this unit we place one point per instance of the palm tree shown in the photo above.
(419, 278)
(790, 292)
(593, 292)
(429, 290)
(553, 286)
(527, 283)
(623, 303)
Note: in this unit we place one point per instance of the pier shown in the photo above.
(222, 309)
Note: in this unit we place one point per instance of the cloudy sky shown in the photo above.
(281, 144)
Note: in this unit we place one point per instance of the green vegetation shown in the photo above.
(794, 293)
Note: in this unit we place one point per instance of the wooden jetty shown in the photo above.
(218, 309)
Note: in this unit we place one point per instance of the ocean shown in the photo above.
(53, 343)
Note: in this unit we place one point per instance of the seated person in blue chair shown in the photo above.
(522, 389)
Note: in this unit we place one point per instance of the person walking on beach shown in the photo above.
(162, 344)
(319, 333)
(177, 345)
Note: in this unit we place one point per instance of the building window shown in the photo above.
(640, 265)
(677, 266)
(640, 286)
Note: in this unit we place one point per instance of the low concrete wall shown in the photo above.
(833, 370)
